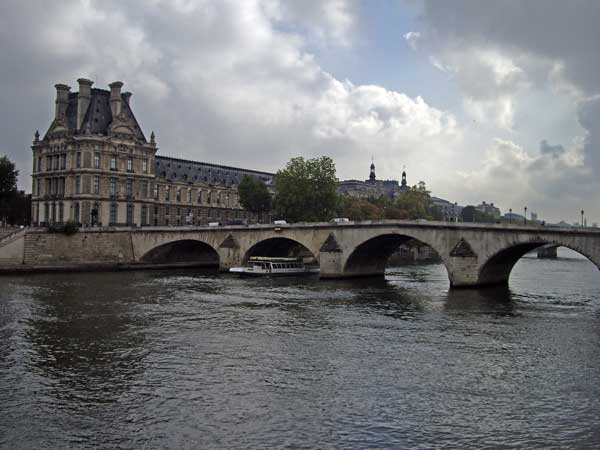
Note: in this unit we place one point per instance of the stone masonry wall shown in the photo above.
(43, 248)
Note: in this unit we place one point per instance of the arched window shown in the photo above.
(199, 196)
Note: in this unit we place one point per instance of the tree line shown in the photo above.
(306, 191)
(15, 206)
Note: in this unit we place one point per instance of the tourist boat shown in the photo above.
(263, 265)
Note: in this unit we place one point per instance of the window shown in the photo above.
(78, 160)
(167, 192)
(144, 215)
(155, 216)
(96, 160)
(129, 165)
(199, 196)
(209, 197)
(76, 212)
(218, 198)
(61, 186)
(46, 212)
(61, 212)
(144, 189)
(155, 193)
(129, 187)
(189, 195)
(53, 186)
(113, 186)
(113, 162)
(56, 162)
(178, 196)
(48, 186)
(40, 164)
(96, 185)
(78, 184)
(145, 165)
(48, 163)
(63, 162)
(113, 214)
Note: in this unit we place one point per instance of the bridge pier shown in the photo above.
(547, 252)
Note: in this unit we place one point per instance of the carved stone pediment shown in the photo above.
(229, 242)
(463, 249)
(330, 245)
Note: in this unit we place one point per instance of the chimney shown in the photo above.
(115, 97)
(83, 99)
(62, 99)
(126, 96)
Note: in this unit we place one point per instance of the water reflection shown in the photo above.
(194, 359)
(89, 340)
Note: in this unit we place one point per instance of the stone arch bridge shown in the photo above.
(473, 254)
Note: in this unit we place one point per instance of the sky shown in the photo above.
(483, 101)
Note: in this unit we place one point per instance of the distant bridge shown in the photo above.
(473, 254)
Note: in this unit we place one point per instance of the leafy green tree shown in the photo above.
(8, 185)
(359, 209)
(416, 202)
(254, 195)
(305, 190)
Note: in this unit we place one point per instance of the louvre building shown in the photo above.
(95, 166)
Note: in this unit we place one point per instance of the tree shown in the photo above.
(416, 202)
(8, 185)
(468, 213)
(306, 190)
(254, 195)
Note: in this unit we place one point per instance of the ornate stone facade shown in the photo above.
(373, 188)
(95, 166)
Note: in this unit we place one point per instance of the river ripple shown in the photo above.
(189, 359)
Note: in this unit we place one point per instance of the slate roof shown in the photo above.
(194, 171)
(98, 116)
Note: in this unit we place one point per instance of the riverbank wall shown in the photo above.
(37, 250)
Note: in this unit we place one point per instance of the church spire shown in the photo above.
(372, 172)
(403, 177)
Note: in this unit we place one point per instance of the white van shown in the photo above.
(214, 224)
(340, 220)
(279, 222)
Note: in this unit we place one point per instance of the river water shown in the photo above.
(192, 359)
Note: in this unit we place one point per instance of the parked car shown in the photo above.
(340, 220)
(279, 222)
(237, 222)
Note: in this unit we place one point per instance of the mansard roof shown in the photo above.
(194, 171)
(98, 116)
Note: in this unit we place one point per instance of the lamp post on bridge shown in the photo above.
(509, 215)
(525, 218)
(582, 212)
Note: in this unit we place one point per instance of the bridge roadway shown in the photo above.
(474, 254)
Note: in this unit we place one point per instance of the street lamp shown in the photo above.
(509, 215)
(525, 218)
(582, 218)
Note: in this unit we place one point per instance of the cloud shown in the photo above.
(553, 150)
(220, 81)
(511, 60)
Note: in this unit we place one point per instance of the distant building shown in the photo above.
(513, 217)
(373, 188)
(450, 211)
(489, 209)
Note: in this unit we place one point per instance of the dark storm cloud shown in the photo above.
(553, 150)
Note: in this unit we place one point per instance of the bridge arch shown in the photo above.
(371, 256)
(183, 251)
(497, 268)
(281, 246)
